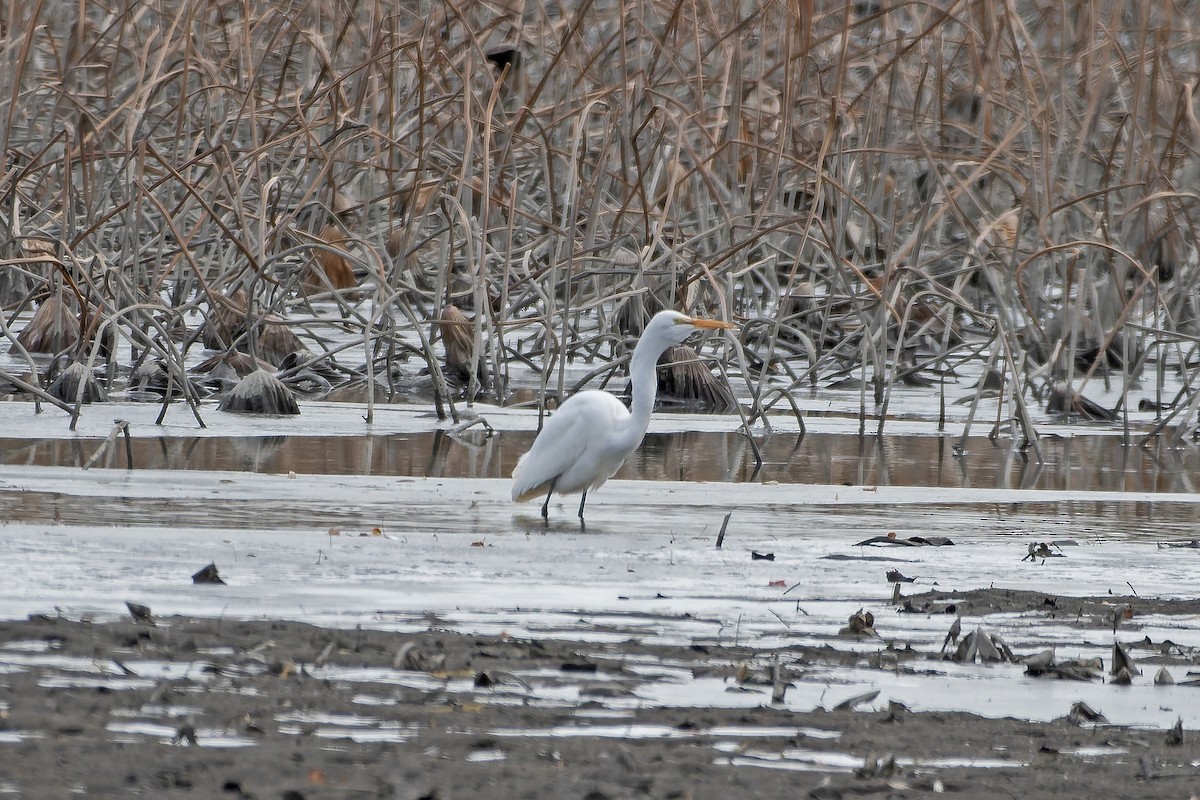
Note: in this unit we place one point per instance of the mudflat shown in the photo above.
(202, 707)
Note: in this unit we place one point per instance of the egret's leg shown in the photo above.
(581, 503)
(546, 505)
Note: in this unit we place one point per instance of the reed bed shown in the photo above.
(887, 191)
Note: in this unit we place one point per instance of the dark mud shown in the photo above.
(1088, 611)
(321, 713)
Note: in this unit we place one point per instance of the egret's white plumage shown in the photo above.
(584, 443)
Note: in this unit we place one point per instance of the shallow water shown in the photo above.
(408, 526)
(457, 554)
(1090, 463)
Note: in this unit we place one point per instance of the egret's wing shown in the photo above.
(579, 423)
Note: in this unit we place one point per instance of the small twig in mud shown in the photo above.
(126, 671)
(850, 703)
(1175, 735)
(1130, 585)
(952, 635)
(400, 660)
(497, 676)
(1119, 613)
(724, 525)
(161, 690)
(185, 734)
(779, 682)
(786, 624)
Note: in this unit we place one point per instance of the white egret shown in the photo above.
(586, 440)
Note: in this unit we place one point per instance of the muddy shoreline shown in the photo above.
(273, 709)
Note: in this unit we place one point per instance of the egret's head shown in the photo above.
(677, 327)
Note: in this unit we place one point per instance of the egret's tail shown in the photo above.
(528, 494)
(522, 490)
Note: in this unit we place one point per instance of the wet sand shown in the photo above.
(189, 707)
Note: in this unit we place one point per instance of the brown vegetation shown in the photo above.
(934, 182)
(330, 269)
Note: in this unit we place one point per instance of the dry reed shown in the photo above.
(887, 189)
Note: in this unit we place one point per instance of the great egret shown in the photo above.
(584, 443)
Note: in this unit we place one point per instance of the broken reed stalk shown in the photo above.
(721, 534)
(121, 427)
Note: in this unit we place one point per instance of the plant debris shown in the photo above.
(208, 574)
(913, 541)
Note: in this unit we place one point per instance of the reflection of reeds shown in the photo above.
(902, 187)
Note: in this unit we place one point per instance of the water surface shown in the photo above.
(1079, 463)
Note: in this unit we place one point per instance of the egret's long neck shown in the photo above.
(642, 369)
